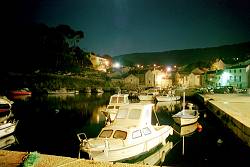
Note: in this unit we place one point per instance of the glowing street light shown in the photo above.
(169, 69)
(117, 65)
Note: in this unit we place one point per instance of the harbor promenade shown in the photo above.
(15, 159)
(233, 110)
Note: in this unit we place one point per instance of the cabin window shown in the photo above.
(113, 100)
(120, 99)
(106, 133)
(110, 107)
(134, 114)
(117, 107)
(136, 134)
(120, 134)
(146, 131)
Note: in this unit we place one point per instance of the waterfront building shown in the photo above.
(237, 76)
(131, 81)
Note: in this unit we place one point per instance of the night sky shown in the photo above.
(117, 27)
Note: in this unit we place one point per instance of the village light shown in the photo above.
(117, 65)
(169, 69)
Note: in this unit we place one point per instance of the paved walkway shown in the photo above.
(14, 159)
(235, 105)
(233, 110)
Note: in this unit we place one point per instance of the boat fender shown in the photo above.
(163, 155)
(199, 127)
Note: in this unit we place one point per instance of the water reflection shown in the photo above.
(7, 141)
(49, 124)
(169, 106)
(157, 157)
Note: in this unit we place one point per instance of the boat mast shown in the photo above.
(183, 104)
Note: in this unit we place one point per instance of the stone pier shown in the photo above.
(233, 110)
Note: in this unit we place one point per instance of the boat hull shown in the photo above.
(185, 121)
(166, 98)
(146, 97)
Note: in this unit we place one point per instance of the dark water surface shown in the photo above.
(49, 124)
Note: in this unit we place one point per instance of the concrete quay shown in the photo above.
(233, 110)
(15, 159)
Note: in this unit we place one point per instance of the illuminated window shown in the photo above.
(120, 134)
(106, 133)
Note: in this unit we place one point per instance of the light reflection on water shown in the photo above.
(49, 124)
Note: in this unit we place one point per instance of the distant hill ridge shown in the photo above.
(187, 56)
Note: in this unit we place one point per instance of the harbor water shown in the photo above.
(49, 124)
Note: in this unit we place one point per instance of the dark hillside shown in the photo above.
(227, 52)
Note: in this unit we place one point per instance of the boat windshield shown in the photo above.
(131, 114)
(120, 134)
(120, 99)
(113, 100)
(134, 114)
(106, 133)
(122, 114)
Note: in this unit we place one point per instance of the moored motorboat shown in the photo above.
(23, 91)
(148, 95)
(129, 136)
(186, 116)
(167, 97)
(115, 102)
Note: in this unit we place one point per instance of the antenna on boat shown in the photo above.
(158, 122)
(183, 104)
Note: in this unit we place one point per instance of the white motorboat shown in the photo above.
(115, 102)
(186, 116)
(129, 136)
(167, 97)
(148, 95)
